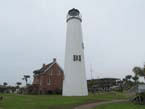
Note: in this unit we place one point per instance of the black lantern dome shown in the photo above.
(74, 13)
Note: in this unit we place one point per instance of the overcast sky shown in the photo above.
(33, 32)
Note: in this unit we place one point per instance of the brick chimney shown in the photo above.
(54, 59)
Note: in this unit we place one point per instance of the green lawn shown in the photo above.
(12, 101)
(122, 105)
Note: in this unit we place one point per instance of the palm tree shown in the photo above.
(26, 78)
(123, 79)
(5, 83)
(18, 83)
(128, 77)
(135, 78)
(128, 82)
(139, 71)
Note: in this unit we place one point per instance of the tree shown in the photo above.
(13, 88)
(139, 71)
(123, 79)
(135, 78)
(5, 84)
(26, 78)
(128, 77)
(91, 84)
(18, 83)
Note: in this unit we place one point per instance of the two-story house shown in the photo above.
(49, 78)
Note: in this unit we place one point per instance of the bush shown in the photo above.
(57, 91)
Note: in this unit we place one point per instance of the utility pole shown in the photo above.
(91, 70)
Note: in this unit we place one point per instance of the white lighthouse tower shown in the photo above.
(75, 83)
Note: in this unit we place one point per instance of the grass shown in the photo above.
(12, 101)
(121, 105)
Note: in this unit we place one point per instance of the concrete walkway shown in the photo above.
(93, 105)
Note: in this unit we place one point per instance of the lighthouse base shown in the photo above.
(74, 89)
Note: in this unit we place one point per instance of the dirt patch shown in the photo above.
(93, 105)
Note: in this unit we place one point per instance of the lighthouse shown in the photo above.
(75, 83)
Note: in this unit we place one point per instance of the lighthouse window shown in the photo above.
(73, 13)
(77, 57)
(82, 45)
(74, 57)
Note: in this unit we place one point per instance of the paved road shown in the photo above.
(93, 105)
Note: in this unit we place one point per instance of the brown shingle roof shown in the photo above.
(42, 69)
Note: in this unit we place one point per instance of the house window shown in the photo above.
(77, 57)
(49, 81)
(51, 72)
(59, 72)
